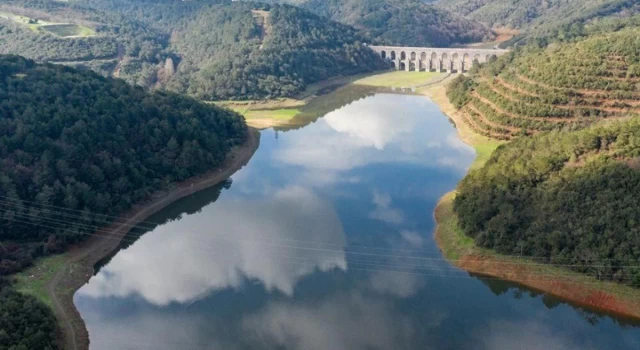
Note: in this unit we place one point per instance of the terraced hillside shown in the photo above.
(562, 86)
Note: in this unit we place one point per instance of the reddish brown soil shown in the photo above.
(578, 292)
(597, 105)
(467, 119)
(511, 129)
(584, 92)
(511, 115)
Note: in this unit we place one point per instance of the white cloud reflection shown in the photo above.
(384, 211)
(525, 335)
(344, 321)
(234, 240)
(387, 128)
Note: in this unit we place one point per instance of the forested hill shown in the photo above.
(236, 51)
(571, 197)
(540, 19)
(212, 49)
(565, 189)
(93, 146)
(400, 22)
(561, 86)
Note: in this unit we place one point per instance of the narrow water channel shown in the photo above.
(325, 241)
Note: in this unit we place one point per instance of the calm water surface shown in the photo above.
(324, 241)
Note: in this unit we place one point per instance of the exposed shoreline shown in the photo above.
(580, 290)
(80, 260)
(283, 112)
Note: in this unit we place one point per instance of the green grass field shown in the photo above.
(483, 152)
(68, 30)
(33, 281)
(250, 111)
(40, 26)
(399, 79)
(277, 114)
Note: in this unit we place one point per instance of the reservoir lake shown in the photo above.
(325, 241)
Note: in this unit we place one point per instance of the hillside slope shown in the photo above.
(569, 198)
(213, 49)
(122, 46)
(537, 18)
(563, 86)
(402, 22)
(228, 54)
(93, 146)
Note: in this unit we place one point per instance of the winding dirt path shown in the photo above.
(78, 267)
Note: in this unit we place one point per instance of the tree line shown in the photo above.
(95, 145)
(568, 197)
(26, 323)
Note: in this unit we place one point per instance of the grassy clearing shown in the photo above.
(33, 281)
(64, 30)
(277, 114)
(265, 114)
(399, 79)
(68, 30)
(483, 152)
(451, 240)
(279, 103)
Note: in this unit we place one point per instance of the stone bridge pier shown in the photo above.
(421, 59)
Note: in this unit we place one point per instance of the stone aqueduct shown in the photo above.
(433, 59)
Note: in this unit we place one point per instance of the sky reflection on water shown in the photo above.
(324, 241)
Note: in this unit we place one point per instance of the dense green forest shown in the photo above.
(234, 52)
(571, 197)
(124, 46)
(213, 49)
(566, 85)
(26, 323)
(400, 22)
(94, 146)
(565, 188)
(541, 19)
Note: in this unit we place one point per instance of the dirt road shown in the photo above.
(78, 267)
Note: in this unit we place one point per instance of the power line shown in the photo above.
(427, 268)
(147, 225)
(428, 271)
(53, 222)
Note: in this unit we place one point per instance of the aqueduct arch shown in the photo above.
(435, 59)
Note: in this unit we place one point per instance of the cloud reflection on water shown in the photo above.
(344, 321)
(375, 130)
(243, 239)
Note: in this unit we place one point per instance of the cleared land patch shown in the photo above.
(68, 30)
(399, 79)
(33, 281)
(64, 30)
